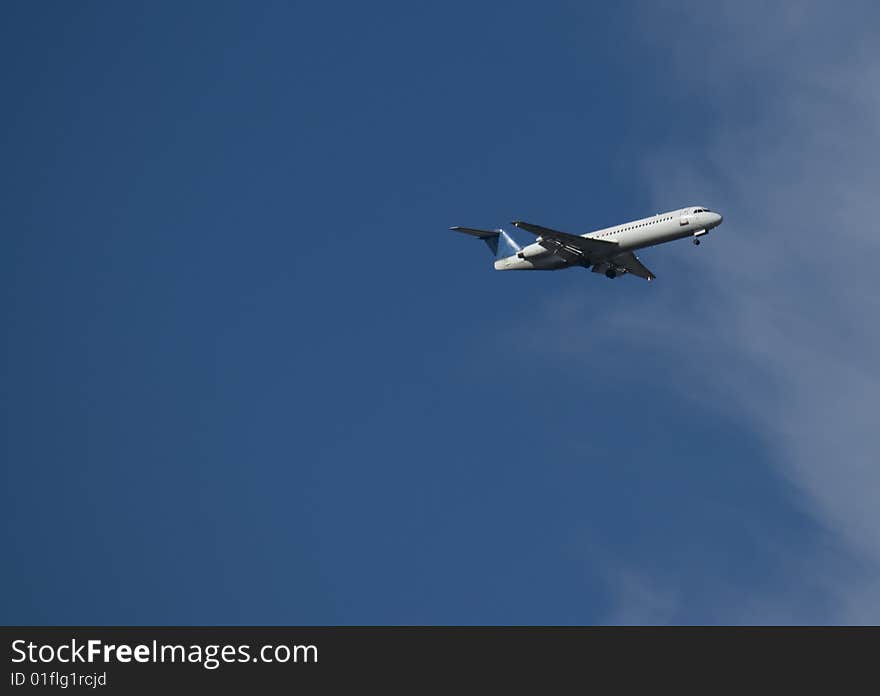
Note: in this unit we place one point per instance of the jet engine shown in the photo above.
(531, 251)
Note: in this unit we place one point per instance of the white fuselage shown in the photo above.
(638, 234)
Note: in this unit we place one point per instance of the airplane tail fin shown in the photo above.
(507, 246)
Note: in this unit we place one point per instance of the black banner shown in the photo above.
(237, 659)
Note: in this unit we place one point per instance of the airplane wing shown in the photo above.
(569, 246)
(631, 263)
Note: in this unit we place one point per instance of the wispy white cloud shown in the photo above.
(787, 299)
(638, 598)
(799, 186)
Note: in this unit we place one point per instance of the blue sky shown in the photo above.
(250, 377)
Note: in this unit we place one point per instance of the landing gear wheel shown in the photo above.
(696, 241)
(611, 273)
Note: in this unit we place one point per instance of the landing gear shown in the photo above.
(696, 241)
(611, 273)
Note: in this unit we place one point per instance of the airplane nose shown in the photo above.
(719, 218)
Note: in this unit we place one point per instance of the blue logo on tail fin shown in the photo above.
(508, 248)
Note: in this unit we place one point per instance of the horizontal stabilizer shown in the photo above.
(482, 234)
(491, 238)
(488, 236)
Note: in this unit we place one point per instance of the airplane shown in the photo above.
(609, 250)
